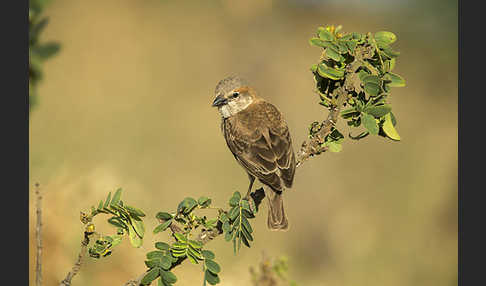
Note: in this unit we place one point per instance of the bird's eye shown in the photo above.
(235, 94)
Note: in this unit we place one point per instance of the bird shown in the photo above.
(259, 138)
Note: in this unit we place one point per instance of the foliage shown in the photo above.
(183, 223)
(38, 52)
(127, 220)
(362, 64)
(355, 70)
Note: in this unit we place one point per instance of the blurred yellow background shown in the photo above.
(126, 103)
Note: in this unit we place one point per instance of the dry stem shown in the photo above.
(38, 235)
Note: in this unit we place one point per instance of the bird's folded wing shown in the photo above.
(264, 150)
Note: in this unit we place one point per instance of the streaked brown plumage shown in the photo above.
(259, 138)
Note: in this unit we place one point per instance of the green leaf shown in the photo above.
(318, 42)
(118, 222)
(212, 266)
(371, 89)
(389, 130)
(179, 245)
(165, 262)
(150, 276)
(162, 227)
(180, 237)
(135, 240)
(247, 234)
(168, 277)
(207, 254)
(329, 72)
(162, 245)
(212, 279)
(243, 238)
(223, 218)
(326, 35)
(351, 46)
(195, 244)
(191, 257)
(378, 111)
(228, 235)
(333, 54)
(385, 37)
(369, 123)
(196, 253)
(246, 205)
(368, 78)
(246, 224)
(116, 197)
(134, 211)
(107, 202)
(396, 80)
(139, 227)
(235, 199)
(163, 216)
(100, 205)
(234, 212)
(204, 201)
(38, 28)
(187, 205)
(389, 52)
(155, 254)
(152, 263)
(47, 50)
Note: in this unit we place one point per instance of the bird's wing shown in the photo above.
(281, 143)
(260, 141)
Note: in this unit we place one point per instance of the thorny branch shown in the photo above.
(313, 146)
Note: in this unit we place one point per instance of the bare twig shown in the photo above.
(38, 235)
(78, 263)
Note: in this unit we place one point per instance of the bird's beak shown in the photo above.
(219, 100)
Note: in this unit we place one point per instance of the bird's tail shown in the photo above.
(277, 220)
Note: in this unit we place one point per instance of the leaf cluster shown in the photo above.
(235, 222)
(127, 220)
(362, 64)
(182, 223)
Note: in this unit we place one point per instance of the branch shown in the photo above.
(77, 265)
(313, 146)
(38, 235)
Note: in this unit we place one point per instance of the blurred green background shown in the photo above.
(126, 103)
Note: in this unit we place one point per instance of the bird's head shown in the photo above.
(233, 95)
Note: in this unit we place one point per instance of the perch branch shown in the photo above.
(38, 235)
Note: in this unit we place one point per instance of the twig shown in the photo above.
(77, 265)
(38, 235)
(314, 146)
